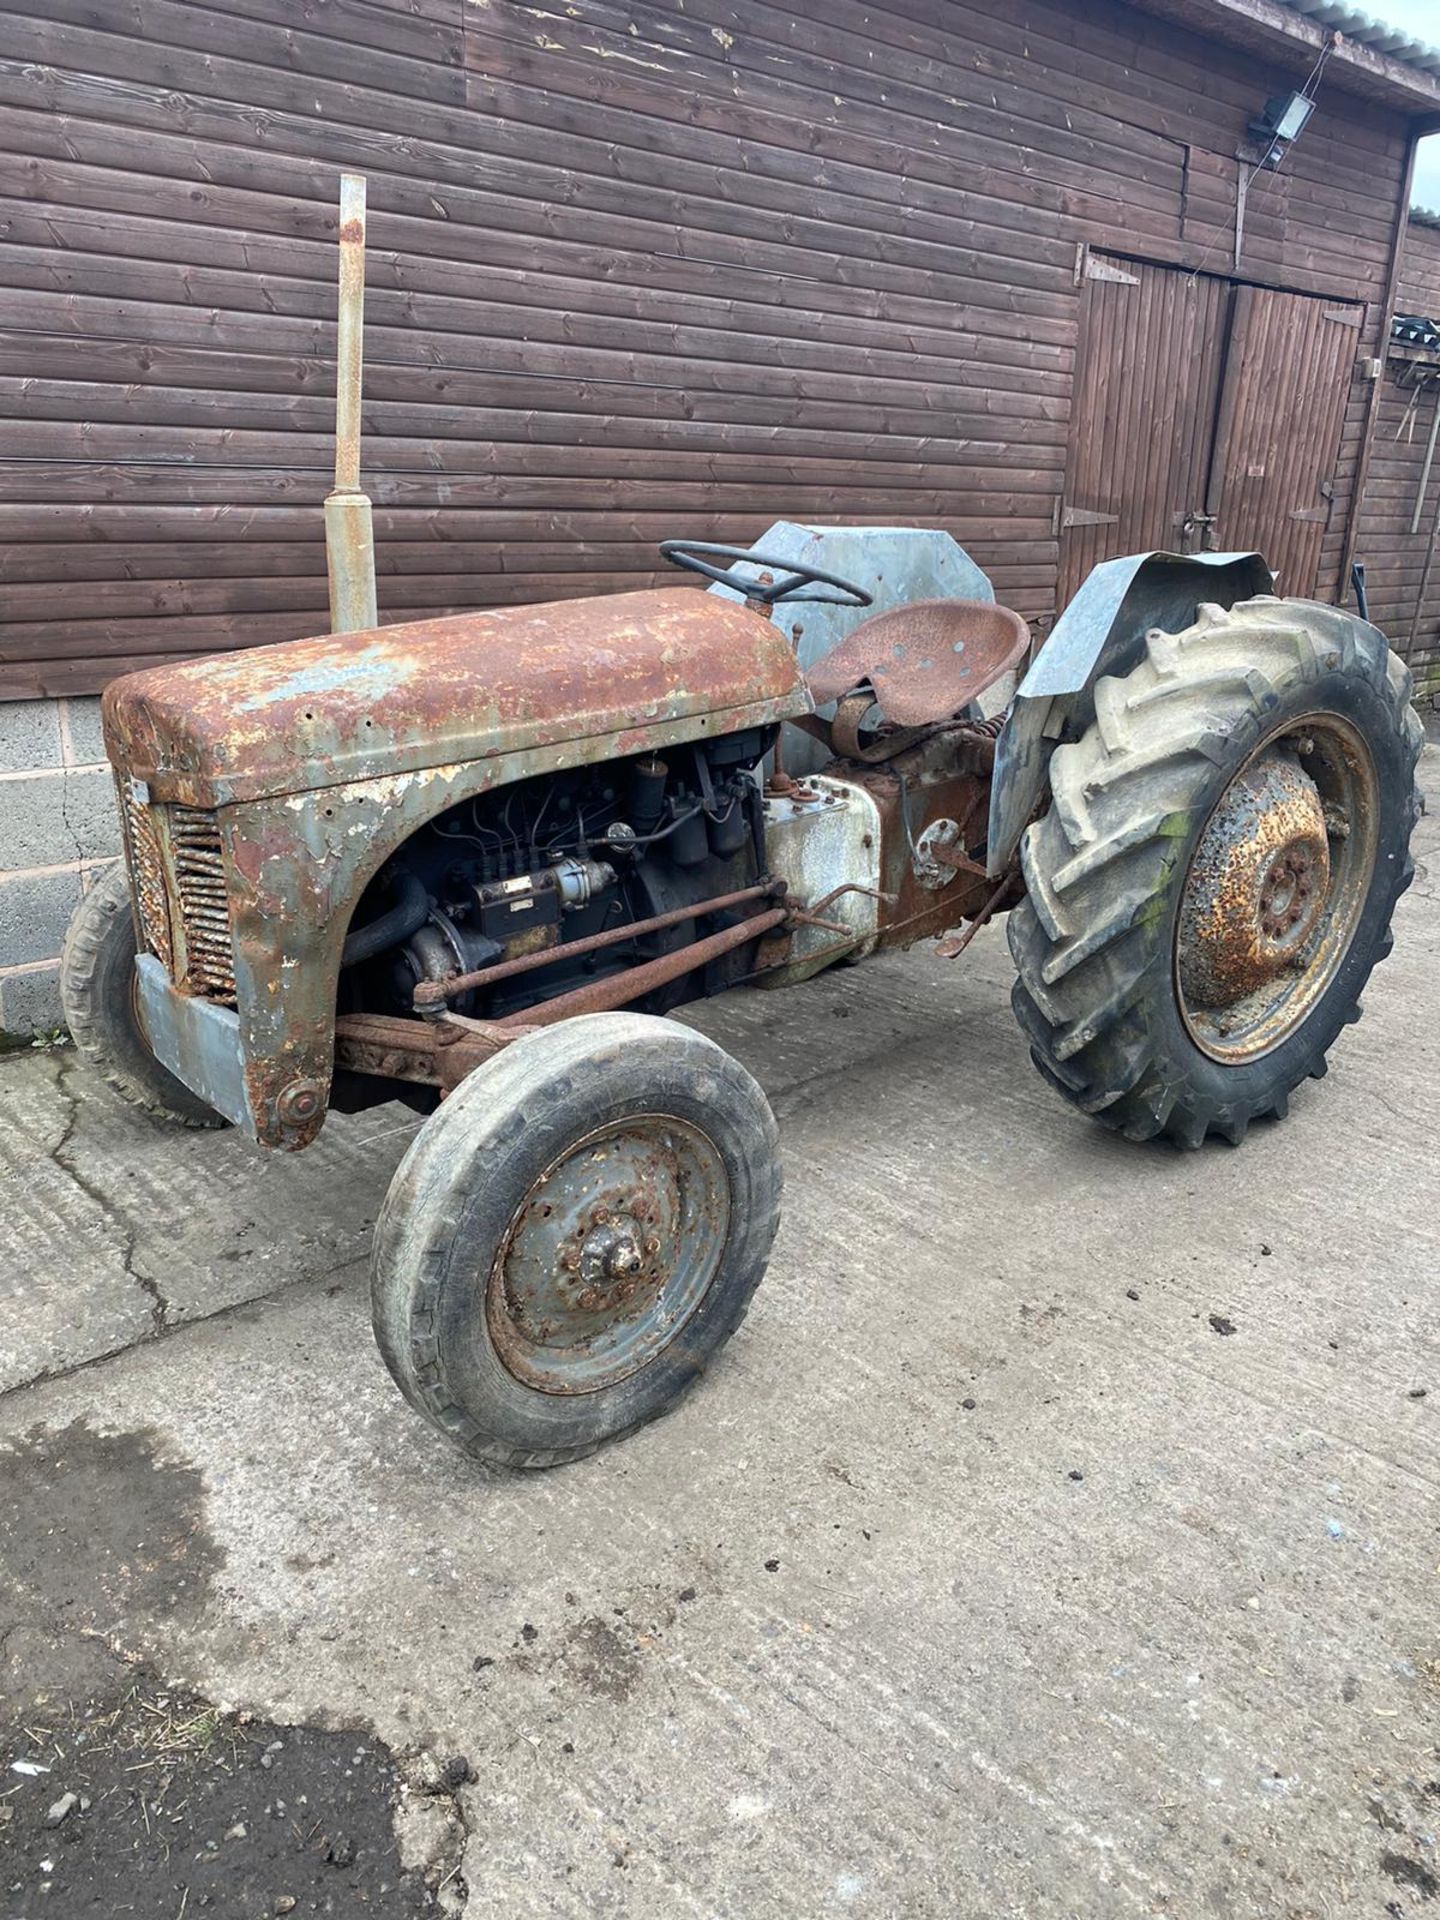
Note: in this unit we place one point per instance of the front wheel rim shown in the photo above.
(1275, 889)
(609, 1254)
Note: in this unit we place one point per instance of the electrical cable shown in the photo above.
(1242, 193)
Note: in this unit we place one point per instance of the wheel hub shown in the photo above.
(611, 1251)
(1257, 885)
(1276, 887)
(617, 1259)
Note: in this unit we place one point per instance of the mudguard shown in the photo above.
(1100, 632)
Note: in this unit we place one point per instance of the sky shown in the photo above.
(1420, 19)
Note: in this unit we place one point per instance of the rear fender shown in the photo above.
(1102, 631)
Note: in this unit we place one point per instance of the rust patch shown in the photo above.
(927, 661)
(320, 757)
(940, 779)
(1257, 885)
(1276, 888)
(318, 713)
(618, 990)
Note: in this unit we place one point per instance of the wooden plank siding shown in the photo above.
(1395, 558)
(633, 271)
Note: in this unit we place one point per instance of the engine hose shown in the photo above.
(407, 916)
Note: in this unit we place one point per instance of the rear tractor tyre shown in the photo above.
(574, 1235)
(97, 992)
(1213, 883)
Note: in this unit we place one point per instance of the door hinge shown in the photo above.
(1098, 268)
(1066, 517)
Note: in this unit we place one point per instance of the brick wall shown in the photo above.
(57, 831)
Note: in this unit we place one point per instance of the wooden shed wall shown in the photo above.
(634, 271)
(1420, 269)
(1394, 556)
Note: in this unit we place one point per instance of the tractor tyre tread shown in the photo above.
(1091, 939)
(531, 1089)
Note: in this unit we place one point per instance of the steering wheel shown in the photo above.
(794, 575)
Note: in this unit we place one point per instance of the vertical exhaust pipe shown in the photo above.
(349, 533)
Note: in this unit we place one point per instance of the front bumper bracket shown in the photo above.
(197, 1040)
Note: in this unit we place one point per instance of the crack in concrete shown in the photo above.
(66, 1161)
(172, 1328)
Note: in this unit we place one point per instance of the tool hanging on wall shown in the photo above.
(1423, 487)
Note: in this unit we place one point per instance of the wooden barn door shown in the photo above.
(1282, 406)
(1142, 423)
(1206, 415)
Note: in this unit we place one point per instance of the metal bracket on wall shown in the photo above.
(1098, 268)
(1065, 517)
(1248, 161)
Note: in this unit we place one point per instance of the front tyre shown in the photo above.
(574, 1235)
(97, 993)
(1213, 883)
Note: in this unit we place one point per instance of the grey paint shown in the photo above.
(1101, 632)
(896, 565)
(197, 1040)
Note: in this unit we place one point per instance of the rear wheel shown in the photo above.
(574, 1235)
(97, 992)
(1214, 881)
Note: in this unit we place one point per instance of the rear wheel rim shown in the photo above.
(1276, 888)
(609, 1254)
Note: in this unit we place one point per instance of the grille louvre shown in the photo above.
(199, 868)
(146, 873)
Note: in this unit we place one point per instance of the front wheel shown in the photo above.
(574, 1235)
(97, 992)
(1213, 883)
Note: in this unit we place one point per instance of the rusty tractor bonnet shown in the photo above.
(262, 791)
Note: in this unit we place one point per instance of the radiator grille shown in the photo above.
(146, 873)
(204, 907)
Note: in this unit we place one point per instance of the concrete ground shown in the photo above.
(1059, 1537)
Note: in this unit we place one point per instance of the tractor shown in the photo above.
(472, 863)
